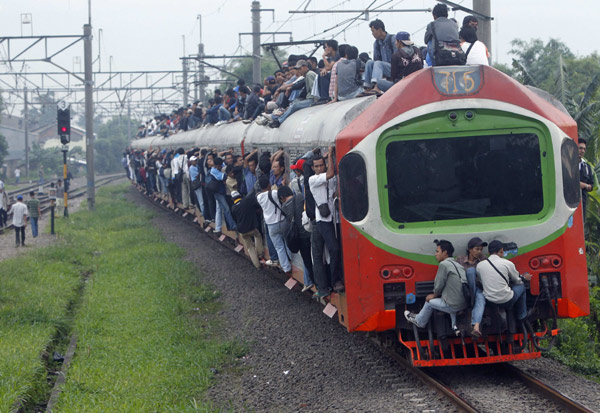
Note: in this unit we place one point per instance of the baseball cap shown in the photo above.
(235, 194)
(301, 63)
(404, 37)
(19, 197)
(193, 158)
(270, 79)
(476, 242)
(298, 165)
(495, 246)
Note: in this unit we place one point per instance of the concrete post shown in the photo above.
(89, 116)
(484, 30)
(256, 74)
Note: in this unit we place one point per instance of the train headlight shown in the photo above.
(452, 116)
(469, 115)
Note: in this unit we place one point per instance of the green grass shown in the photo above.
(148, 333)
(34, 292)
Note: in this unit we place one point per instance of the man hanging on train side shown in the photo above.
(447, 293)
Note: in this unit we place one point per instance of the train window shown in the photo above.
(570, 172)
(464, 177)
(353, 187)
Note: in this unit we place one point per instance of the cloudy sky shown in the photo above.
(148, 34)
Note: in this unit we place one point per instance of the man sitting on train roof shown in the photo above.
(381, 65)
(406, 60)
(304, 99)
(497, 274)
(446, 30)
(447, 289)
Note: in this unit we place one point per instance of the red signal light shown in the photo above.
(63, 129)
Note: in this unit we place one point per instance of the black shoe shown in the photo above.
(274, 124)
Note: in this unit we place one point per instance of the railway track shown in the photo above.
(75, 193)
(427, 376)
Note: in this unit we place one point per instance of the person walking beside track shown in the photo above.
(34, 213)
(19, 212)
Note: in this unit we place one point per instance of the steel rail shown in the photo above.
(545, 390)
(425, 376)
(428, 378)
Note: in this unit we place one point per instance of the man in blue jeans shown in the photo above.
(496, 275)
(447, 293)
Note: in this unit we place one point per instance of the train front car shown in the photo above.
(453, 153)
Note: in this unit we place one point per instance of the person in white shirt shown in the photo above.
(181, 177)
(496, 275)
(19, 211)
(477, 53)
(17, 176)
(275, 221)
(323, 186)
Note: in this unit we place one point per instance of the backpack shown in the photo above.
(466, 291)
(413, 55)
(447, 53)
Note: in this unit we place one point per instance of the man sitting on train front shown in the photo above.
(447, 289)
(502, 284)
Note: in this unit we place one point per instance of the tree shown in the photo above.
(3, 149)
(45, 114)
(111, 142)
(242, 68)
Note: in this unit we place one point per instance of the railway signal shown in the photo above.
(63, 121)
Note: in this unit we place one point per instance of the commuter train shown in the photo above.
(447, 153)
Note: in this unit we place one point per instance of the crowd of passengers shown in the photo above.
(293, 209)
(342, 73)
(296, 210)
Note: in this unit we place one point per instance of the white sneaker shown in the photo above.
(272, 263)
(411, 317)
(261, 120)
(307, 287)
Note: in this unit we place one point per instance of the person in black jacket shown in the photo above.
(586, 175)
(244, 214)
(293, 206)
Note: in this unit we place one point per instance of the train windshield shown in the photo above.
(464, 177)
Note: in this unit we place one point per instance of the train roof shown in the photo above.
(311, 127)
(431, 85)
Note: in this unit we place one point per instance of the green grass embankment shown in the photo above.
(146, 325)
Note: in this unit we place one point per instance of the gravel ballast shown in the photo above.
(299, 359)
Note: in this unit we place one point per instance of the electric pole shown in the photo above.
(185, 77)
(200, 64)
(89, 115)
(26, 128)
(484, 30)
(256, 74)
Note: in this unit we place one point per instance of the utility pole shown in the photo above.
(89, 115)
(200, 64)
(256, 74)
(185, 77)
(26, 128)
(484, 30)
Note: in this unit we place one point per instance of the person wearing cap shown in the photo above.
(497, 276)
(244, 213)
(406, 60)
(253, 104)
(381, 65)
(297, 184)
(447, 289)
(469, 261)
(304, 98)
(269, 87)
(19, 220)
